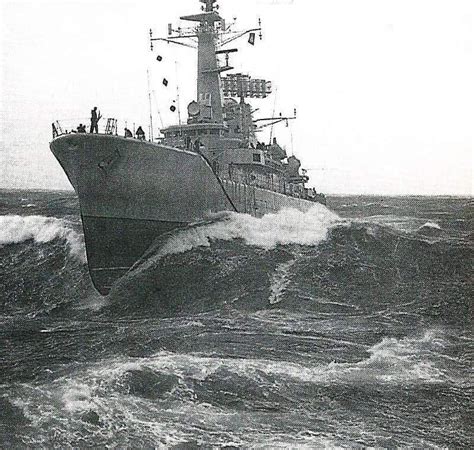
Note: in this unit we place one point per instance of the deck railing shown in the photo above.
(114, 127)
(108, 126)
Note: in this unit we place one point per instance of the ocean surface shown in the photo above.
(341, 327)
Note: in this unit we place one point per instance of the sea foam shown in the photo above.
(431, 225)
(390, 361)
(288, 226)
(16, 229)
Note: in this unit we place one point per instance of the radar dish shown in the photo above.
(193, 109)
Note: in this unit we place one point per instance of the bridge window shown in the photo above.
(257, 157)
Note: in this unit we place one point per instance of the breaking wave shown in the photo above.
(297, 261)
(294, 330)
(44, 258)
(389, 361)
(233, 247)
(149, 397)
(17, 229)
(288, 226)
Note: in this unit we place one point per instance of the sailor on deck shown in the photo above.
(140, 133)
(95, 120)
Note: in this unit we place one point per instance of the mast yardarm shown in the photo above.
(211, 34)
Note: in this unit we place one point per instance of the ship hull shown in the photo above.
(131, 192)
(114, 244)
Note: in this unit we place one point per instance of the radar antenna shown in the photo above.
(209, 34)
(209, 5)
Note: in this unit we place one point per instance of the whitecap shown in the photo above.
(392, 360)
(41, 229)
(287, 226)
(430, 225)
(77, 397)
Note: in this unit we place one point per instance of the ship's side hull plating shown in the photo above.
(114, 244)
(133, 191)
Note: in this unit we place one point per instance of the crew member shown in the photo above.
(95, 117)
(128, 133)
(81, 128)
(140, 133)
(187, 142)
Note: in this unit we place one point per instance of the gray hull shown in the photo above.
(132, 191)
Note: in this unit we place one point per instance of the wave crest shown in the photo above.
(430, 229)
(392, 360)
(432, 225)
(16, 229)
(287, 226)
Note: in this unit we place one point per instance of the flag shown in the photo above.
(252, 38)
(165, 81)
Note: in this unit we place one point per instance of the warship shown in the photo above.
(132, 190)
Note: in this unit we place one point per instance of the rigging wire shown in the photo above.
(149, 104)
(177, 92)
(273, 114)
(158, 109)
(291, 140)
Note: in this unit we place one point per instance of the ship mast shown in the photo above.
(209, 32)
(208, 80)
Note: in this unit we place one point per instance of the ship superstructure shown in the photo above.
(222, 128)
(131, 190)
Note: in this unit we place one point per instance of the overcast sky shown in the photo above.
(383, 88)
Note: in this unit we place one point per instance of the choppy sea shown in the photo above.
(341, 327)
